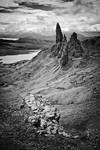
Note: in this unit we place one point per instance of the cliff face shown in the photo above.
(64, 50)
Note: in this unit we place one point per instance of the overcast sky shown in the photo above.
(41, 16)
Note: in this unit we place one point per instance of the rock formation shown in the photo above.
(60, 49)
(63, 53)
(45, 117)
(64, 56)
(64, 50)
(56, 49)
(59, 35)
(74, 46)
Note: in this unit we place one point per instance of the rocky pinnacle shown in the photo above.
(59, 35)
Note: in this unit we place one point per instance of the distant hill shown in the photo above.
(33, 41)
(22, 45)
(83, 35)
(92, 45)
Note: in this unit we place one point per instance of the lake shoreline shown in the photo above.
(10, 59)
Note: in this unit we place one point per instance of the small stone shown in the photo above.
(41, 131)
(66, 134)
(55, 130)
(49, 129)
(43, 123)
(32, 102)
(76, 136)
(35, 120)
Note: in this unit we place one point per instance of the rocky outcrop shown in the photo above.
(64, 50)
(56, 50)
(60, 49)
(74, 46)
(45, 117)
(64, 56)
(59, 35)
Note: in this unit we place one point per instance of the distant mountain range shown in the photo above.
(23, 43)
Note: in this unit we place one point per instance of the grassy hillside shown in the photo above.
(74, 90)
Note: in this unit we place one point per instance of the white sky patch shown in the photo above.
(71, 16)
(7, 3)
(29, 22)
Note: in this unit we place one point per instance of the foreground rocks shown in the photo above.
(45, 117)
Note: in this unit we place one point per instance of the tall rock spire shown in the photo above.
(66, 50)
(59, 35)
(74, 46)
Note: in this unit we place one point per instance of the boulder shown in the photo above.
(43, 123)
(32, 102)
(34, 120)
(51, 113)
(53, 129)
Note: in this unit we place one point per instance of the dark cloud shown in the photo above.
(12, 8)
(84, 3)
(8, 9)
(78, 2)
(36, 5)
(82, 6)
(5, 11)
(68, 0)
